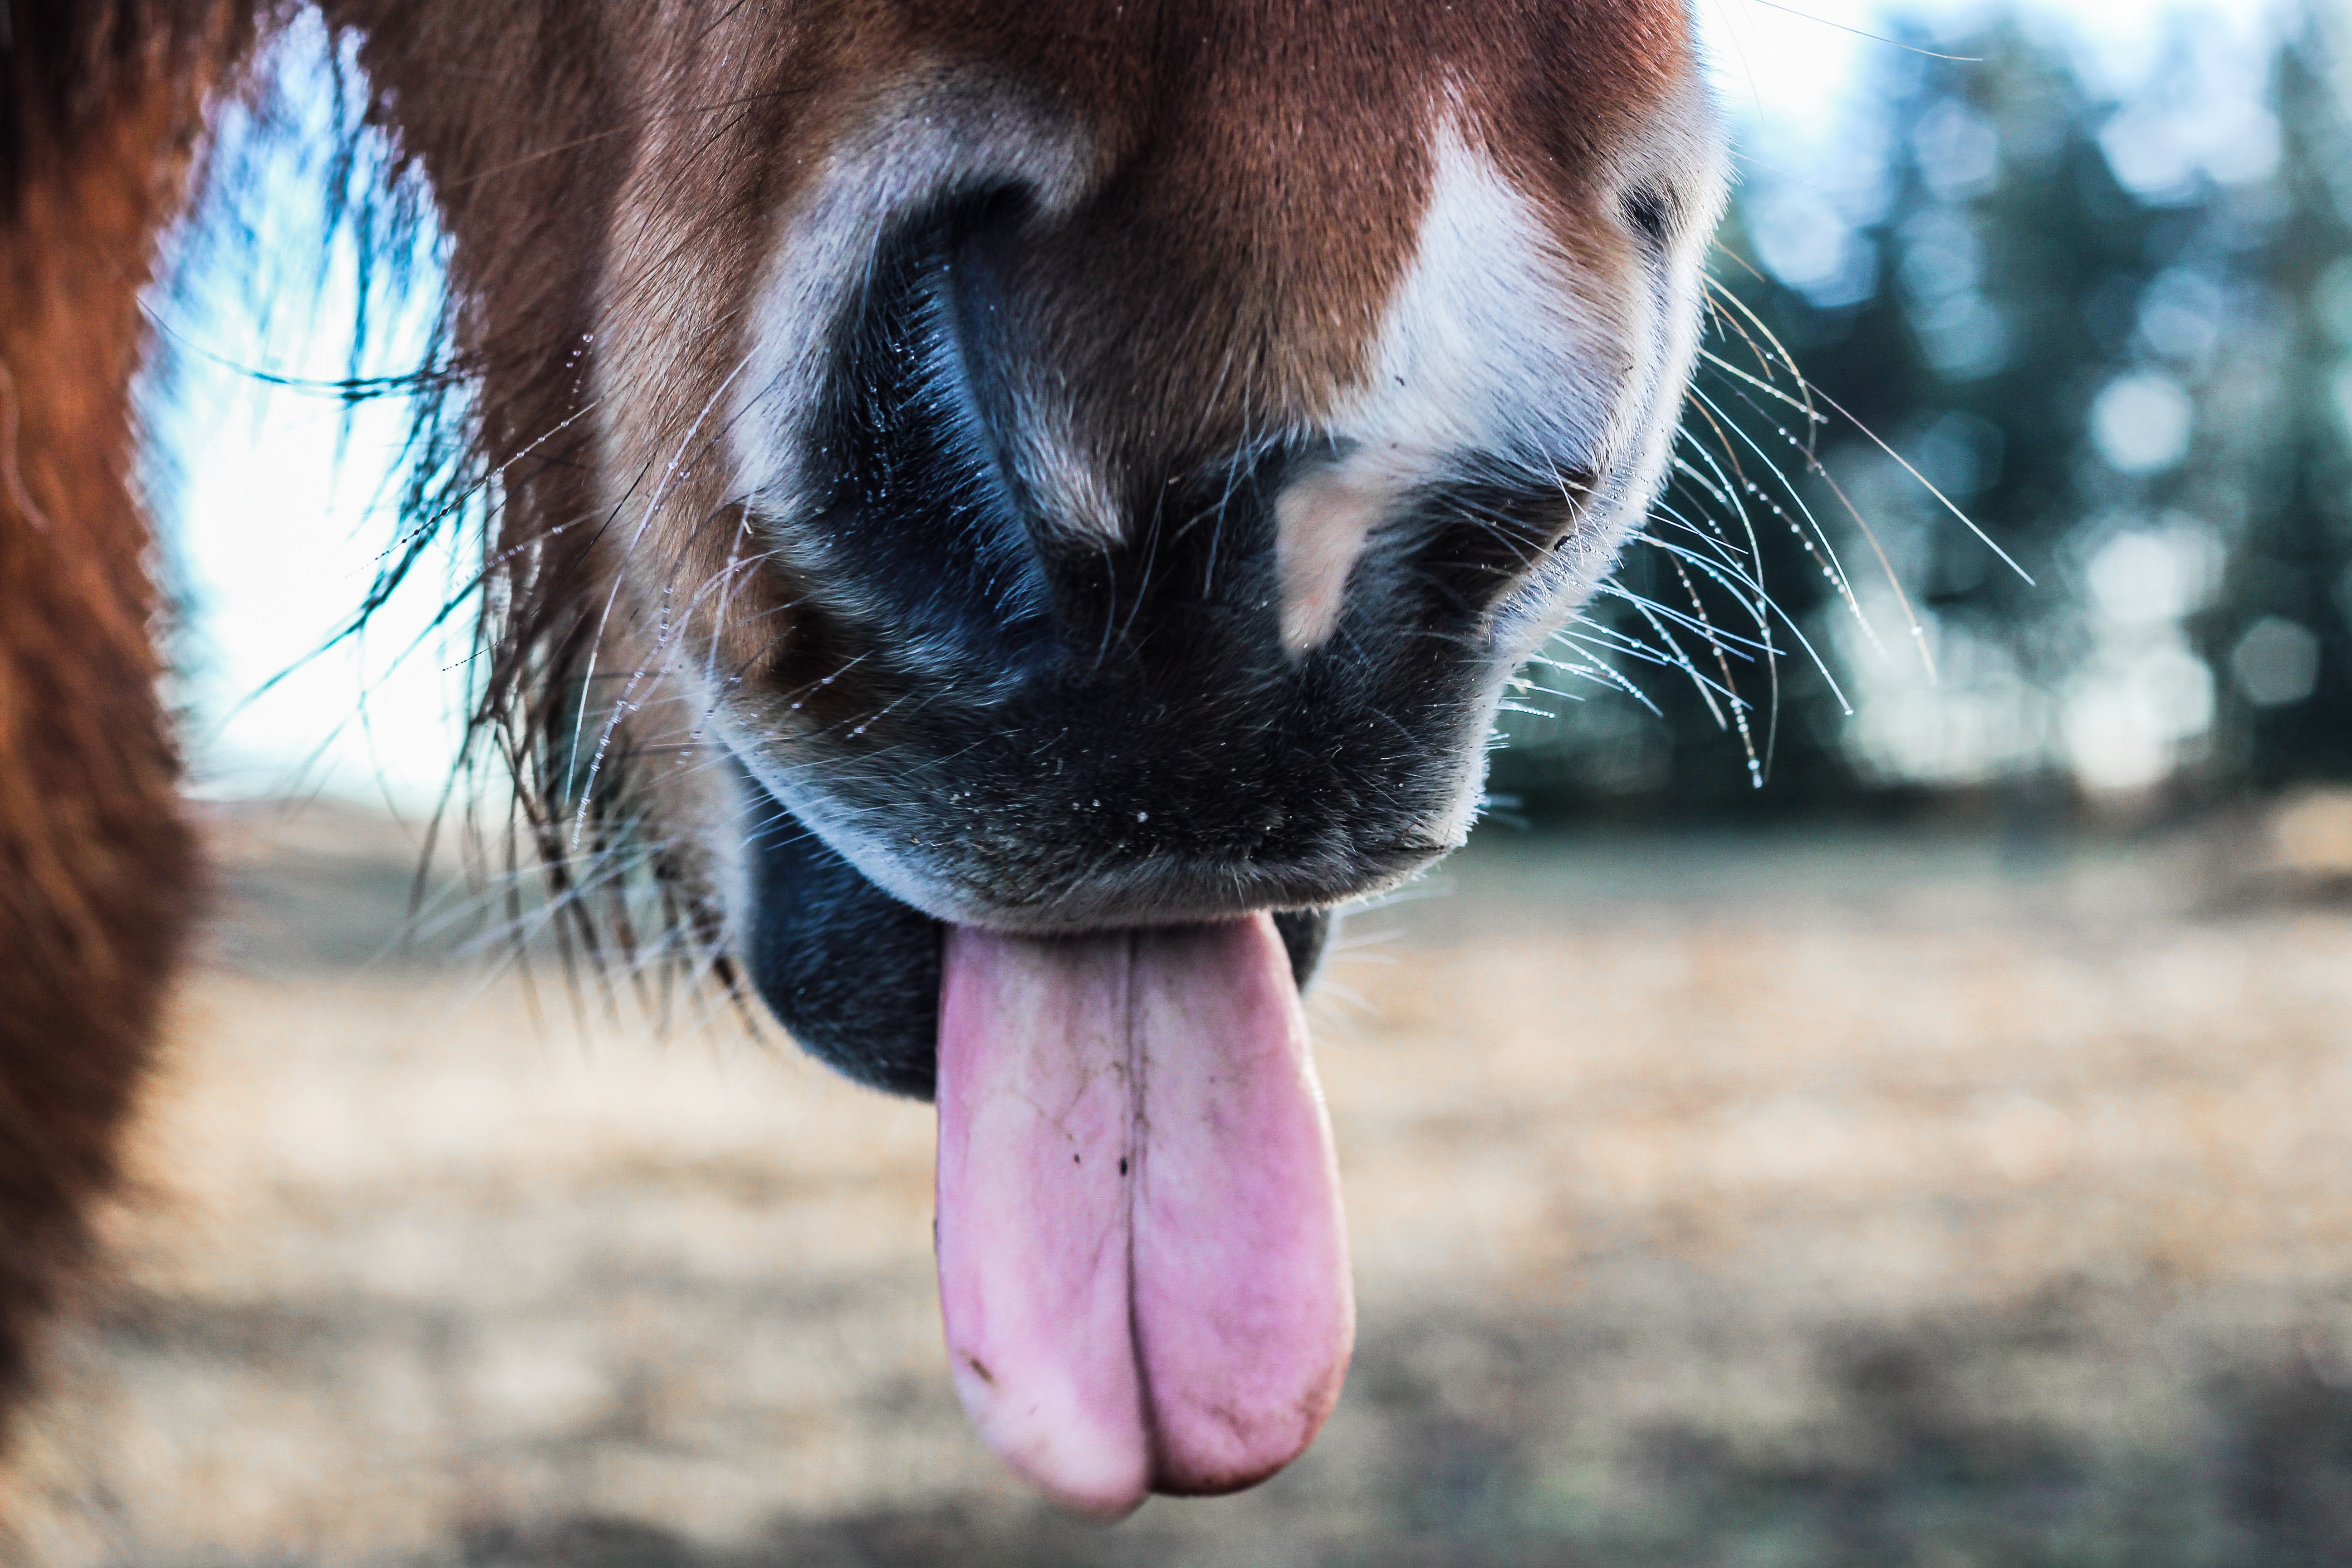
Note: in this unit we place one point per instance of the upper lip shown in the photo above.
(1011, 891)
(1178, 890)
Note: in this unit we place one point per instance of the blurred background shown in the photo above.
(2088, 282)
(1875, 1092)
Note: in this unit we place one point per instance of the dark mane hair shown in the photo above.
(471, 518)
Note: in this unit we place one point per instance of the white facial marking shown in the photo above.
(1486, 331)
(1486, 349)
(1495, 348)
(1320, 525)
(1679, 155)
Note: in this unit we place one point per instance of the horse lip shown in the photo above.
(1150, 890)
(1170, 890)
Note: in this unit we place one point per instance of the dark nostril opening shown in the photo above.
(1651, 212)
(917, 527)
(975, 259)
(1479, 536)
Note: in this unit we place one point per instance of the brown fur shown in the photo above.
(610, 172)
(97, 868)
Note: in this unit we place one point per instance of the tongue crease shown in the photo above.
(1143, 1266)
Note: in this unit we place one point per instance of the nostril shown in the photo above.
(917, 524)
(1650, 212)
(975, 258)
(1480, 537)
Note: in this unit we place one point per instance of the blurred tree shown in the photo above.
(2107, 332)
(2281, 633)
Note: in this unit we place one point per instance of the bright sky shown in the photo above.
(279, 538)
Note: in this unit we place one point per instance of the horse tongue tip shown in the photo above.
(1097, 1500)
(1162, 1309)
(1083, 1448)
(1166, 1482)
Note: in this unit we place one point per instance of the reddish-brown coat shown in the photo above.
(97, 876)
(617, 167)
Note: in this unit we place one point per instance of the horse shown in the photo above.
(1003, 517)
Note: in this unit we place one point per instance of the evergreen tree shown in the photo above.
(2281, 635)
(2073, 361)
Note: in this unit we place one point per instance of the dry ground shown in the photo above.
(1804, 1201)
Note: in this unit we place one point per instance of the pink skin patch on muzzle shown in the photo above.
(1143, 1265)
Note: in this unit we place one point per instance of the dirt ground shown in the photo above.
(1812, 1200)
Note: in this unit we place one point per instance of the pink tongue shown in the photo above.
(1142, 1262)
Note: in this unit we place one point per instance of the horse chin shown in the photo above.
(852, 973)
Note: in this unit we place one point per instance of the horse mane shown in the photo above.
(100, 113)
(484, 511)
(103, 146)
(67, 65)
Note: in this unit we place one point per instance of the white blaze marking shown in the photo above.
(1487, 348)
(1320, 525)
